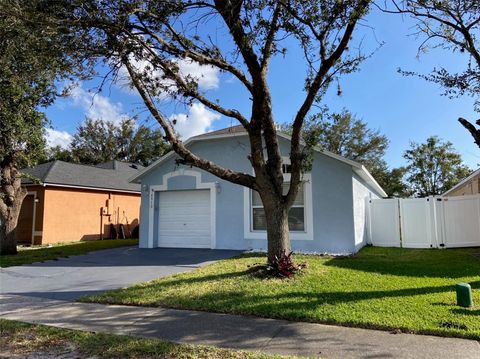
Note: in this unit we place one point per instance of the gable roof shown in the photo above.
(462, 182)
(223, 131)
(112, 175)
(235, 131)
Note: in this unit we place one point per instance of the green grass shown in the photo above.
(27, 255)
(18, 338)
(385, 288)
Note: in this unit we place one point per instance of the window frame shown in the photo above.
(252, 207)
(306, 234)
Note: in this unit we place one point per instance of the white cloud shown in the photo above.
(198, 120)
(96, 106)
(57, 138)
(206, 76)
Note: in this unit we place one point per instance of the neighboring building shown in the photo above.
(470, 185)
(66, 206)
(188, 207)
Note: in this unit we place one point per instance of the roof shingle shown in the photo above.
(111, 175)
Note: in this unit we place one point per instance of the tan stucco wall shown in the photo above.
(74, 214)
(470, 187)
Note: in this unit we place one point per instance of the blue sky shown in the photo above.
(404, 108)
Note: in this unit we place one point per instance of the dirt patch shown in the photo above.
(57, 353)
(61, 350)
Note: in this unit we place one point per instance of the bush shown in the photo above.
(284, 266)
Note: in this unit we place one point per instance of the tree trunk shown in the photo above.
(278, 237)
(8, 240)
(11, 201)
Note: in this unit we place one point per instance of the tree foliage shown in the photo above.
(433, 167)
(31, 60)
(148, 39)
(98, 141)
(452, 25)
(347, 136)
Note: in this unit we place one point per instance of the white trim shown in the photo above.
(198, 185)
(84, 187)
(34, 213)
(307, 235)
(462, 182)
(357, 167)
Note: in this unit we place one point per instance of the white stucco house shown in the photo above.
(190, 208)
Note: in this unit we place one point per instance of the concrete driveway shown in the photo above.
(71, 278)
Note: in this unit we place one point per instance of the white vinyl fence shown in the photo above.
(425, 222)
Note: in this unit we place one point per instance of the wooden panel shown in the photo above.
(25, 221)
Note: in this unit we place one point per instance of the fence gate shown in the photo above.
(384, 222)
(425, 222)
(417, 224)
(461, 221)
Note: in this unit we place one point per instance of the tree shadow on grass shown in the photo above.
(293, 300)
(414, 263)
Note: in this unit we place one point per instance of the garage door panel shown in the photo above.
(184, 219)
(189, 211)
(182, 232)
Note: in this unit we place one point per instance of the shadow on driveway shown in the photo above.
(73, 277)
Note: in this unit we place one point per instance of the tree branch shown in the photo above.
(188, 90)
(230, 12)
(195, 55)
(267, 49)
(471, 128)
(326, 65)
(187, 156)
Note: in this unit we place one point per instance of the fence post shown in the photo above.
(432, 209)
(368, 221)
(400, 219)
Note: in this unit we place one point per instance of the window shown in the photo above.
(300, 216)
(286, 168)
(296, 214)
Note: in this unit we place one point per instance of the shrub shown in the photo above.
(284, 266)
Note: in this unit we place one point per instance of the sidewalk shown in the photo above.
(237, 332)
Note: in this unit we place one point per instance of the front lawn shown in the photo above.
(38, 341)
(411, 290)
(27, 255)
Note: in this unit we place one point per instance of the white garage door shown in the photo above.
(184, 219)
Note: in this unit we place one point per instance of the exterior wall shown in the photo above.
(332, 191)
(361, 194)
(468, 188)
(74, 214)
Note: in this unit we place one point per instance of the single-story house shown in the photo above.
(188, 207)
(76, 202)
(467, 186)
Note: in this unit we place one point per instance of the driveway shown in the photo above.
(70, 278)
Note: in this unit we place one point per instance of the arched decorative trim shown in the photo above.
(198, 185)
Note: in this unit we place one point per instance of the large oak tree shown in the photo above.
(31, 59)
(149, 38)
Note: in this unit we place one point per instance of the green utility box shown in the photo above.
(464, 295)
